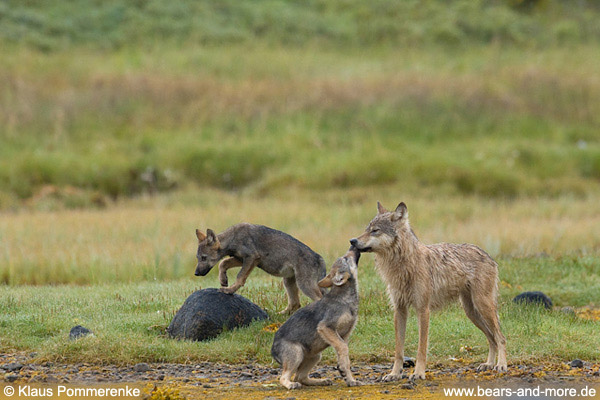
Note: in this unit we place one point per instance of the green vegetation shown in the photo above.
(128, 320)
(151, 97)
(125, 125)
(113, 23)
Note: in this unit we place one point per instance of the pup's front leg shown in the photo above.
(332, 338)
(224, 266)
(247, 267)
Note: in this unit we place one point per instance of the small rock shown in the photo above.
(246, 374)
(409, 362)
(576, 363)
(537, 298)
(79, 332)
(161, 378)
(408, 386)
(141, 367)
(11, 377)
(12, 367)
(384, 392)
(206, 386)
(597, 373)
(568, 310)
(315, 375)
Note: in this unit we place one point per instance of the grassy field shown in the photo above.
(118, 140)
(140, 259)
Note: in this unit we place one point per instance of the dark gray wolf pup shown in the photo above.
(273, 251)
(428, 276)
(298, 344)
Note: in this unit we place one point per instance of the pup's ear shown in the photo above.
(201, 236)
(401, 212)
(325, 282)
(211, 238)
(340, 278)
(381, 209)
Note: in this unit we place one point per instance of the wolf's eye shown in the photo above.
(375, 230)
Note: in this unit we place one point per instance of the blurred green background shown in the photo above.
(107, 100)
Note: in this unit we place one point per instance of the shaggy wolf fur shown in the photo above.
(273, 251)
(298, 344)
(428, 276)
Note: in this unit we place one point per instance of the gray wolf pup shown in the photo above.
(428, 276)
(273, 251)
(298, 344)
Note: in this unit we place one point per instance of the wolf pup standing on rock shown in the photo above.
(273, 251)
(298, 344)
(428, 276)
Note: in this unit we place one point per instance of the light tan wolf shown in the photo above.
(428, 276)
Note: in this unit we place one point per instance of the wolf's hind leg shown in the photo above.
(292, 292)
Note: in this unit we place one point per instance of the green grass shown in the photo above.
(112, 24)
(128, 320)
(482, 115)
(483, 121)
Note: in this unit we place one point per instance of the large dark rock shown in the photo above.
(206, 313)
(538, 298)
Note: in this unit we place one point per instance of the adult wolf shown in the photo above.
(428, 276)
(275, 252)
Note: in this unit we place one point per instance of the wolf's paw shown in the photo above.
(485, 367)
(289, 310)
(223, 281)
(392, 377)
(417, 375)
(501, 368)
(353, 383)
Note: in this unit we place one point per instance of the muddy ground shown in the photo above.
(249, 381)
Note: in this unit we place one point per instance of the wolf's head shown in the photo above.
(208, 251)
(342, 270)
(383, 230)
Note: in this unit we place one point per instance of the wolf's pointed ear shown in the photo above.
(400, 213)
(381, 209)
(211, 238)
(201, 236)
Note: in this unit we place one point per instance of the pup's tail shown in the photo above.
(275, 349)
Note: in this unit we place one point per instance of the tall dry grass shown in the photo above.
(147, 240)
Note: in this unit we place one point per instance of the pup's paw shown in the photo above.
(293, 385)
(353, 383)
(228, 290)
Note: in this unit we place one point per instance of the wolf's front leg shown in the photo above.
(247, 267)
(423, 317)
(224, 266)
(400, 316)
